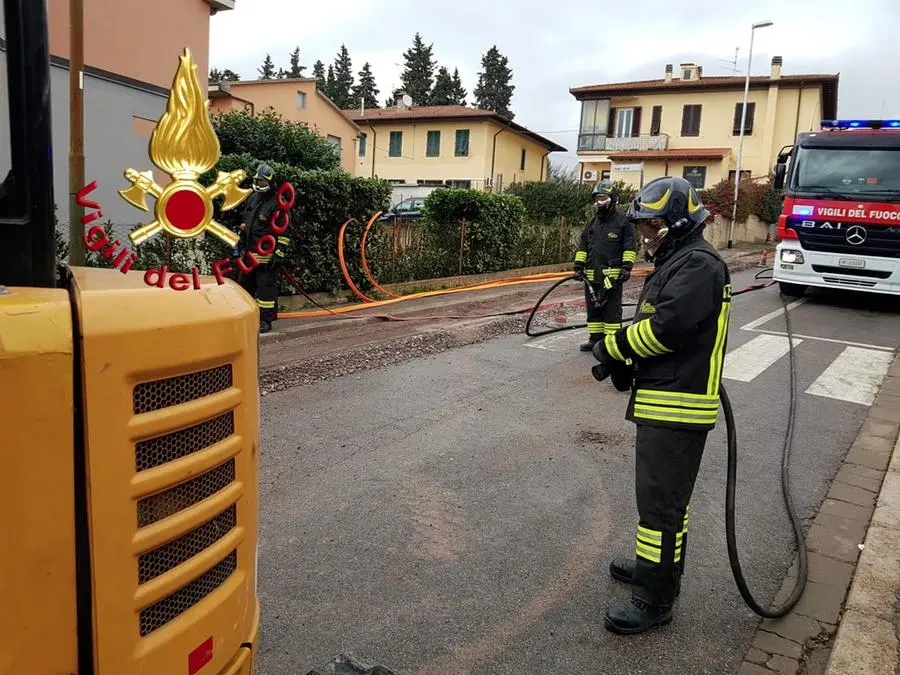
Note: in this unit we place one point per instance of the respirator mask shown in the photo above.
(602, 204)
(261, 185)
(652, 232)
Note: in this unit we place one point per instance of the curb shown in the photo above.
(804, 641)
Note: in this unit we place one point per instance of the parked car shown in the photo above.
(408, 208)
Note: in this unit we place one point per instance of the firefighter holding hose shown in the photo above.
(261, 281)
(671, 356)
(606, 253)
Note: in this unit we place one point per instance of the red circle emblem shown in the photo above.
(185, 210)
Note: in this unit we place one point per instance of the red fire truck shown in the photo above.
(840, 224)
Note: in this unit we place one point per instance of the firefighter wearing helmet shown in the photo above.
(260, 281)
(606, 253)
(675, 348)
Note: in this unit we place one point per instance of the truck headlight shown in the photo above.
(792, 256)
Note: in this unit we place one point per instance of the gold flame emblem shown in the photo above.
(185, 146)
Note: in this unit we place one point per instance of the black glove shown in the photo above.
(624, 275)
(600, 352)
(578, 272)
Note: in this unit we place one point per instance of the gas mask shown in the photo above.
(652, 232)
(261, 185)
(602, 204)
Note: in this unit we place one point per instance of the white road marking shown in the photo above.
(854, 376)
(550, 342)
(771, 315)
(751, 359)
(832, 340)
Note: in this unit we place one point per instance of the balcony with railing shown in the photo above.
(607, 144)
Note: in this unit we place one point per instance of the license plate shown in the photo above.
(851, 262)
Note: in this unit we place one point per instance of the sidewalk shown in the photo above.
(824, 634)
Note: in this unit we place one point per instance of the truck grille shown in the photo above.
(881, 240)
(155, 453)
(159, 614)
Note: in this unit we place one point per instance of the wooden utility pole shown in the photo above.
(76, 130)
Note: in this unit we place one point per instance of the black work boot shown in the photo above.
(589, 345)
(622, 569)
(265, 326)
(636, 616)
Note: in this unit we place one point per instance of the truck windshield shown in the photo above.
(863, 172)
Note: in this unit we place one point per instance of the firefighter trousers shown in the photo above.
(608, 318)
(666, 466)
(260, 282)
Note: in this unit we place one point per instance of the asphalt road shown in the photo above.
(456, 513)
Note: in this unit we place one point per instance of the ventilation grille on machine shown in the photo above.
(155, 453)
(181, 443)
(159, 614)
(149, 396)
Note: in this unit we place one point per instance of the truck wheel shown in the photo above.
(792, 290)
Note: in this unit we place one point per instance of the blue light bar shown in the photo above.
(860, 124)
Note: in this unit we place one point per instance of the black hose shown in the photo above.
(730, 485)
(540, 302)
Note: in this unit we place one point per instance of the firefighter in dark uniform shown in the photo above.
(606, 253)
(261, 281)
(673, 354)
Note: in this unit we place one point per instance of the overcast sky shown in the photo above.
(554, 45)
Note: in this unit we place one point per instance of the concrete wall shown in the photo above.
(753, 231)
(117, 124)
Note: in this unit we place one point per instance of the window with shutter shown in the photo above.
(690, 120)
(433, 144)
(636, 123)
(748, 123)
(611, 125)
(656, 120)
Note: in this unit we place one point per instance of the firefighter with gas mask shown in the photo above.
(673, 353)
(261, 281)
(606, 253)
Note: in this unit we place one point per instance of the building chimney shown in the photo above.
(776, 67)
(699, 72)
(668, 72)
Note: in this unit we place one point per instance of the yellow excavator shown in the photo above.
(130, 421)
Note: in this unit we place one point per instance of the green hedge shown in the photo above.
(754, 198)
(324, 201)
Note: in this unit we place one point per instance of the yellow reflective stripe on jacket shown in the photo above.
(613, 272)
(589, 274)
(629, 256)
(266, 304)
(284, 240)
(679, 415)
(676, 399)
(612, 348)
(636, 342)
(717, 357)
(641, 334)
(581, 256)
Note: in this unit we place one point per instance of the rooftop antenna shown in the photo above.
(733, 63)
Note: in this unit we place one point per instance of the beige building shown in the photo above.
(689, 125)
(448, 146)
(297, 100)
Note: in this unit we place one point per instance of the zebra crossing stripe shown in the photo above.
(751, 359)
(854, 376)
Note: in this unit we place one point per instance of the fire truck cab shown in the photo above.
(840, 223)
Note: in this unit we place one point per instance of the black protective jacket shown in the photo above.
(257, 215)
(607, 245)
(678, 338)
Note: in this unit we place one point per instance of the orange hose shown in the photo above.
(365, 263)
(343, 263)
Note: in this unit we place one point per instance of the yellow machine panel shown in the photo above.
(37, 527)
(172, 446)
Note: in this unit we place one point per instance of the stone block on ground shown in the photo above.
(845, 510)
(832, 544)
(783, 665)
(775, 644)
(821, 602)
(793, 627)
(848, 476)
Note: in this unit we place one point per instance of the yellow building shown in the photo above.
(451, 145)
(296, 100)
(689, 125)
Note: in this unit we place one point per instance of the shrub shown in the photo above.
(754, 198)
(324, 201)
(269, 137)
(494, 222)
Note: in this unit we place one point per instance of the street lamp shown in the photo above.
(740, 157)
